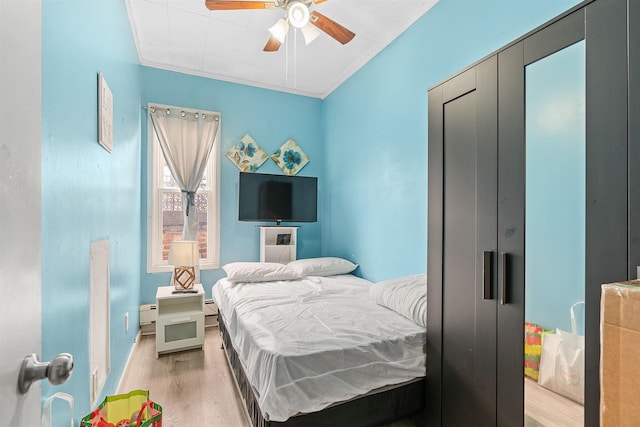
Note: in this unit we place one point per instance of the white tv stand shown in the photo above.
(278, 244)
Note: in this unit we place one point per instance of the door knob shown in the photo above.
(57, 371)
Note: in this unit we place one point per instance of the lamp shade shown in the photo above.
(184, 253)
(310, 33)
(279, 30)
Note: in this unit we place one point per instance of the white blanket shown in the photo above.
(306, 344)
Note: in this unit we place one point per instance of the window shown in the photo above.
(165, 217)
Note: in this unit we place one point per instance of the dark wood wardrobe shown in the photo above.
(476, 220)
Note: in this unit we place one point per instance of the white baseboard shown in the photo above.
(136, 341)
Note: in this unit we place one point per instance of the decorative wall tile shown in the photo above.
(290, 157)
(247, 155)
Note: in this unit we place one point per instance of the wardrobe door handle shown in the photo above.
(486, 274)
(503, 273)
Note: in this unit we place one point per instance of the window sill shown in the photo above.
(164, 268)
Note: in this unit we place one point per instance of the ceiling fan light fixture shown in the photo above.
(310, 32)
(298, 14)
(279, 30)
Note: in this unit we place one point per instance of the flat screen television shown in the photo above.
(277, 198)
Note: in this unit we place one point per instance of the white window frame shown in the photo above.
(155, 164)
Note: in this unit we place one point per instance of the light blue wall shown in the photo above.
(87, 193)
(556, 188)
(375, 126)
(270, 118)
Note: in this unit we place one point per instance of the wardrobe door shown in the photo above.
(603, 211)
(462, 360)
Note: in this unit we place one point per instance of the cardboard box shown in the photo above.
(620, 354)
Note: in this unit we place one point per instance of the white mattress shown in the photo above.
(306, 344)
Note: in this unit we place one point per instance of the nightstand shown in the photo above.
(180, 320)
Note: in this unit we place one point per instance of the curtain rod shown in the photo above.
(183, 113)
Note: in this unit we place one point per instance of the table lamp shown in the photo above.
(184, 255)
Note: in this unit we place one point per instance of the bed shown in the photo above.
(313, 350)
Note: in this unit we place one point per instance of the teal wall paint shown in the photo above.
(270, 118)
(556, 188)
(375, 124)
(87, 193)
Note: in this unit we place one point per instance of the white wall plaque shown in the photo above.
(105, 114)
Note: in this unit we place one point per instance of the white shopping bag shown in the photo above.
(562, 362)
(47, 411)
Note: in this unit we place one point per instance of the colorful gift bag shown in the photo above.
(533, 335)
(133, 409)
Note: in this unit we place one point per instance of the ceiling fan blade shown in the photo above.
(331, 27)
(273, 44)
(238, 4)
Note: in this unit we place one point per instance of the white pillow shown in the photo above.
(405, 295)
(258, 272)
(326, 266)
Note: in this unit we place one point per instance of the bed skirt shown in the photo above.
(372, 409)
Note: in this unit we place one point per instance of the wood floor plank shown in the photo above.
(195, 388)
(545, 408)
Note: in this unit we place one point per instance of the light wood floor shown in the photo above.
(195, 388)
(545, 408)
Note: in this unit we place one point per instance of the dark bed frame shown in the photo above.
(372, 409)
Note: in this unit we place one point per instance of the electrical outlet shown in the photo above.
(126, 322)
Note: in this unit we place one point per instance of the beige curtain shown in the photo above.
(186, 138)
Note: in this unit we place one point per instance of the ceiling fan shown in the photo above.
(297, 15)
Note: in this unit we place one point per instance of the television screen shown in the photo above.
(264, 197)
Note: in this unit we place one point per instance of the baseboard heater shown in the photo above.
(148, 316)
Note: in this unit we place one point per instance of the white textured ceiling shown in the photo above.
(184, 36)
